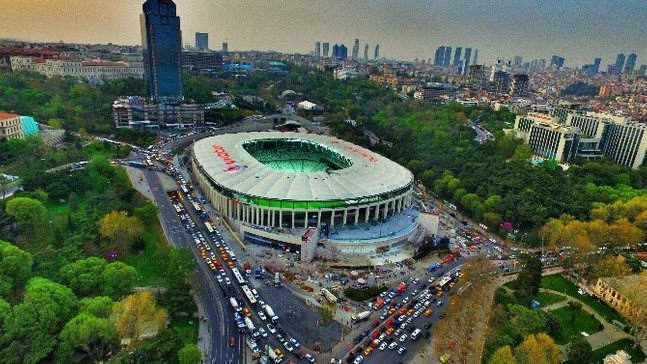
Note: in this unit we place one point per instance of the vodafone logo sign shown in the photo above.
(222, 153)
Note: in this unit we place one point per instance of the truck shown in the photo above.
(248, 269)
(234, 304)
(271, 314)
(249, 324)
(361, 316)
(329, 296)
(277, 279)
(259, 273)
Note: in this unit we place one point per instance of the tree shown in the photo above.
(120, 230)
(610, 266)
(538, 349)
(15, 269)
(177, 297)
(636, 312)
(100, 306)
(84, 276)
(90, 334)
(189, 354)
(147, 213)
(327, 315)
(503, 355)
(523, 152)
(118, 280)
(526, 286)
(136, 317)
(31, 329)
(27, 211)
(524, 321)
(579, 350)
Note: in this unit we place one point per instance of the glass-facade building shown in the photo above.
(162, 46)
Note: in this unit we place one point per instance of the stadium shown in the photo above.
(273, 186)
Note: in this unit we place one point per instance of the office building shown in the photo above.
(501, 82)
(225, 47)
(355, 54)
(202, 40)
(439, 58)
(477, 77)
(457, 56)
(10, 126)
(162, 46)
(377, 52)
(325, 49)
(592, 69)
(620, 63)
(520, 85)
(136, 112)
(436, 93)
(468, 56)
(557, 61)
(366, 53)
(447, 57)
(547, 138)
(476, 57)
(517, 62)
(198, 61)
(317, 49)
(631, 64)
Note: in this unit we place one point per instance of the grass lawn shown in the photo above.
(637, 356)
(583, 321)
(188, 328)
(547, 298)
(149, 262)
(558, 282)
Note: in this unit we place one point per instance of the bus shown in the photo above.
(197, 206)
(184, 189)
(208, 226)
(443, 283)
(238, 276)
(249, 295)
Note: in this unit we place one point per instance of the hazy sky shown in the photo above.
(406, 29)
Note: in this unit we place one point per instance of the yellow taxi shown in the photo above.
(392, 310)
(230, 264)
(410, 312)
(368, 351)
(390, 330)
(247, 312)
(428, 312)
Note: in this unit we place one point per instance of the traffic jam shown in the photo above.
(407, 312)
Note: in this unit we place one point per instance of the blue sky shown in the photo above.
(406, 29)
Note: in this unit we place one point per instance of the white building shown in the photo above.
(345, 73)
(95, 71)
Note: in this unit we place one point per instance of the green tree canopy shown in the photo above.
(579, 350)
(118, 280)
(84, 276)
(89, 334)
(15, 268)
(99, 306)
(27, 211)
(189, 354)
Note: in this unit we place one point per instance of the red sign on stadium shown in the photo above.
(222, 153)
(363, 154)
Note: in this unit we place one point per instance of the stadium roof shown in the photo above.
(369, 175)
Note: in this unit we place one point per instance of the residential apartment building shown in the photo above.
(10, 126)
(94, 71)
(136, 112)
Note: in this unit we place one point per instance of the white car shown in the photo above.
(288, 346)
(402, 350)
(295, 342)
(310, 357)
(403, 338)
(262, 332)
(358, 360)
(227, 280)
(393, 345)
(271, 328)
(262, 316)
(382, 346)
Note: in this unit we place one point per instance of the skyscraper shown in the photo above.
(377, 52)
(326, 47)
(225, 47)
(457, 56)
(317, 49)
(476, 56)
(366, 53)
(162, 46)
(518, 62)
(343, 51)
(202, 40)
(557, 61)
(439, 58)
(631, 63)
(355, 54)
(335, 51)
(447, 57)
(468, 55)
(620, 63)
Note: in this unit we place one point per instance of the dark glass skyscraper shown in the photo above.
(162, 48)
(620, 63)
(631, 63)
(202, 40)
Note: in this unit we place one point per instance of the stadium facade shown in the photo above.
(279, 184)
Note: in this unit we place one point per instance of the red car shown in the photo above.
(232, 341)
(375, 323)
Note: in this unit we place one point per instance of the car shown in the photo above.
(295, 342)
(405, 300)
(410, 312)
(220, 280)
(262, 332)
(397, 332)
(247, 312)
(383, 316)
(439, 294)
(271, 328)
(415, 292)
(409, 320)
(392, 310)
(382, 337)
(382, 346)
(368, 351)
(310, 358)
(428, 325)
(262, 316)
(417, 313)
(390, 330)
(288, 346)
(393, 345)
(227, 280)
(279, 353)
(358, 360)
(232, 341)
(375, 323)
(439, 303)
(230, 265)
(402, 310)
(402, 350)
(280, 338)
(427, 312)
(403, 338)
(402, 318)
(335, 361)
(403, 326)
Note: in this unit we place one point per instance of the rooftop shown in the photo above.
(6, 115)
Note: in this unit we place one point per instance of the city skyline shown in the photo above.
(409, 30)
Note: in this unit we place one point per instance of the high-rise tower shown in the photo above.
(457, 56)
(620, 63)
(326, 48)
(468, 56)
(317, 49)
(631, 64)
(377, 52)
(447, 57)
(162, 47)
(355, 54)
(366, 53)
(202, 40)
